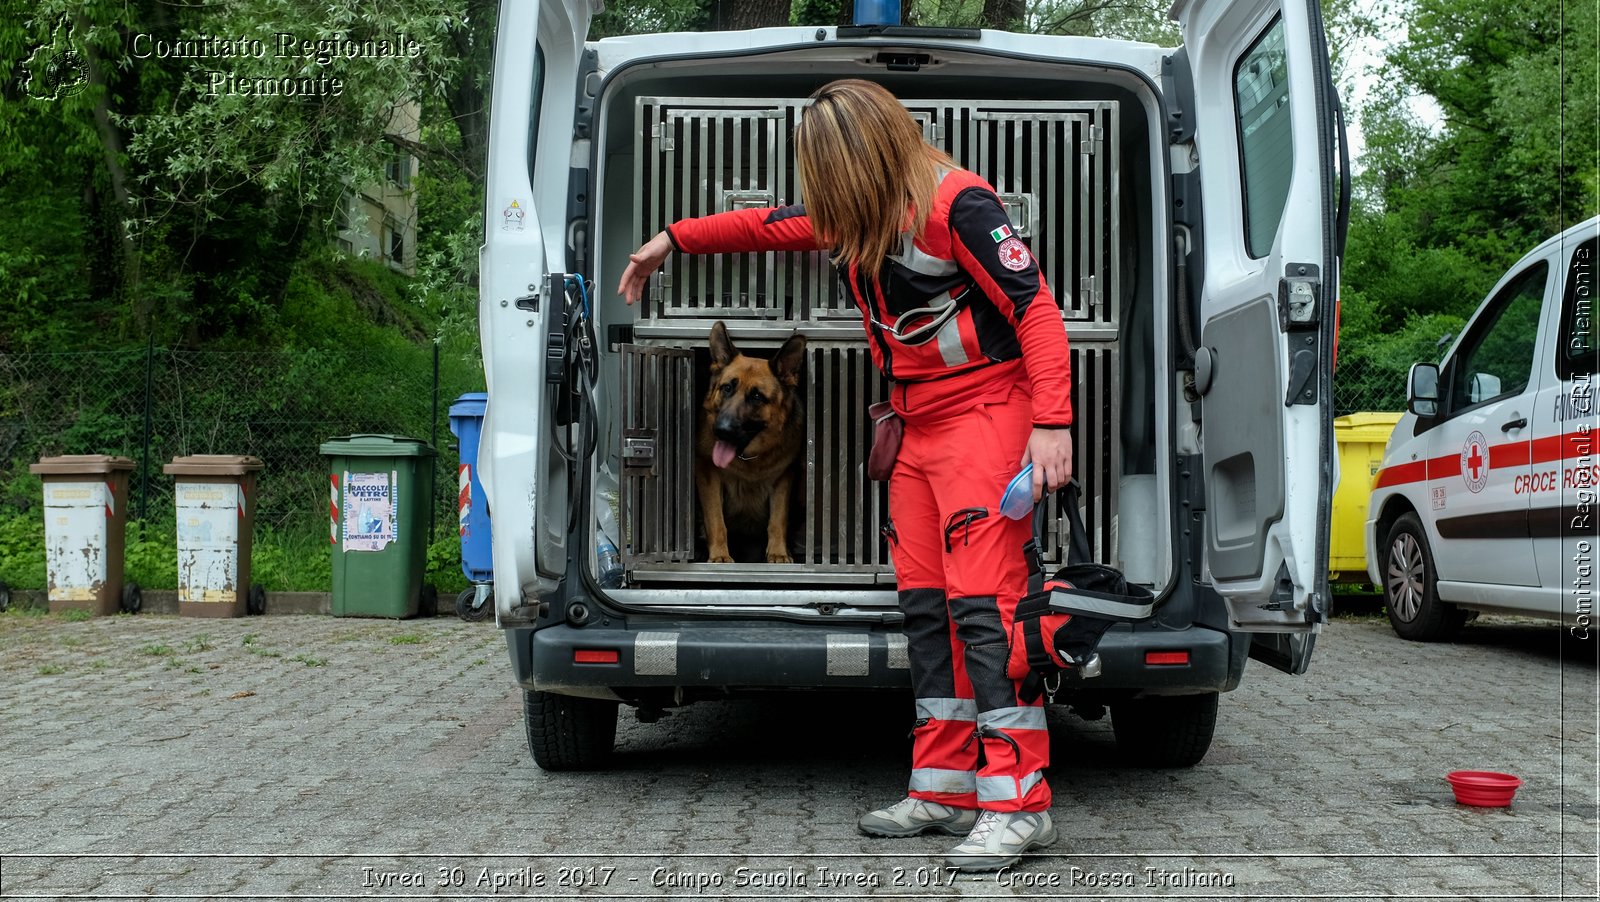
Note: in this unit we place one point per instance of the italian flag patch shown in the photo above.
(1000, 234)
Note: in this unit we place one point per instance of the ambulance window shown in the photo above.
(1580, 340)
(1266, 146)
(1496, 360)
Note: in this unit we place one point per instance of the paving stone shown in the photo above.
(304, 755)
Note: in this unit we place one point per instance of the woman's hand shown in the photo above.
(1050, 452)
(641, 264)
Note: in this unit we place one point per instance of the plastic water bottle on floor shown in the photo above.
(608, 559)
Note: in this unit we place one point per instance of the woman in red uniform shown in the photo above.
(960, 321)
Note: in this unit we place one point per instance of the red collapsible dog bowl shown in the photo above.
(1483, 788)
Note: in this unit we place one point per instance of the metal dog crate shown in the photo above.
(1052, 162)
(837, 539)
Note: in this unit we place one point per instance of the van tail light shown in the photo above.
(594, 656)
(1166, 657)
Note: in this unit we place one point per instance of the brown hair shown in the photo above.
(863, 164)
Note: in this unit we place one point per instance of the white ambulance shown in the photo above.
(1186, 206)
(1486, 498)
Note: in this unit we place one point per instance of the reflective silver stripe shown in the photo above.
(1073, 603)
(938, 779)
(655, 654)
(1019, 718)
(899, 658)
(913, 258)
(847, 655)
(948, 709)
(1002, 789)
(950, 343)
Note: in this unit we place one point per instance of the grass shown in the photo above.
(406, 639)
(50, 669)
(199, 643)
(76, 615)
(156, 650)
(99, 665)
(310, 661)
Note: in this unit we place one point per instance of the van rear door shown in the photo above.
(1267, 134)
(538, 50)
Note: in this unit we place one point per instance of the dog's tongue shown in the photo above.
(722, 454)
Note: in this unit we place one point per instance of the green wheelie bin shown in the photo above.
(380, 499)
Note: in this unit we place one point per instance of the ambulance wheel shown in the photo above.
(467, 612)
(1411, 586)
(255, 603)
(569, 733)
(1165, 730)
(132, 599)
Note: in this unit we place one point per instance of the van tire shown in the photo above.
(569, 733)
(1165, 730)
(1411, 586)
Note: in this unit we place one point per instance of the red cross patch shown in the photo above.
(1475, 462)
(1014, 255)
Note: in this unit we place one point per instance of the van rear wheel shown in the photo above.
(1165, 730)
(1411, 586)
(569, 733)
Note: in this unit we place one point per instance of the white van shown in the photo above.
(1486, 497)
(1185, 205)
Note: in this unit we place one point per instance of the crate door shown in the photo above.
(657, 497)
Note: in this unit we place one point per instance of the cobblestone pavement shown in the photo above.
(309, 757)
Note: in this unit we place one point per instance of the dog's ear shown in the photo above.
(722, 350)
(786, 366)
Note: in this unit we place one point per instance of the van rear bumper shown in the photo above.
(752, 655)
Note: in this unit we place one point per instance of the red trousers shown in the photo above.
(960, 571)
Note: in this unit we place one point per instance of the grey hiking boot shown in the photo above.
(999, 838)
(913, 817)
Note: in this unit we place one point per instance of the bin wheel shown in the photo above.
(132, 599)
(5, 598)
(428, 601)
(255, 604)
(467, 612)
(569, 733)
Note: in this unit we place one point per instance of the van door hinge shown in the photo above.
(662, 138)
(1096, 142)
(1088, 292)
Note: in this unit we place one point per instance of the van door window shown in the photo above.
(1266, 162)
(1496, 360)
(1580, 341)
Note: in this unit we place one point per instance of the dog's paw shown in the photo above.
(721, 559)
(781, 557)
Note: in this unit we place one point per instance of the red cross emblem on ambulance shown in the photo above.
(1475, 462)
(1014, 255)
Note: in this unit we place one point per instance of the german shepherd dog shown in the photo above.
(752, 427)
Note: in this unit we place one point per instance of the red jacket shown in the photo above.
(955, 319)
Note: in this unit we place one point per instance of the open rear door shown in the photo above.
(1267, 137)
(538, 50)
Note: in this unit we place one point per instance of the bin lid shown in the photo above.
(79, 464)
(471, 404)
(1366, 426)
(377, 445)
(212, 465)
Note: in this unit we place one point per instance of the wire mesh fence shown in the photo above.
(154, 404)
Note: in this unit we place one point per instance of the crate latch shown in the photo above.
(638, 452)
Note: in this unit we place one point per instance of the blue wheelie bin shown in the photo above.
(477, 560)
